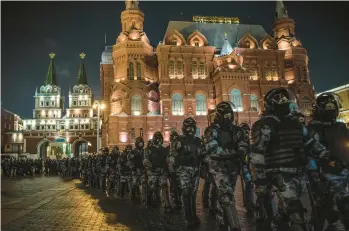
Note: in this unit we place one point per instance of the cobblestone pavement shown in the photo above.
(50, 203)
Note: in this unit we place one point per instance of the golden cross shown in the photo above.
(82, 55)
(52, 55)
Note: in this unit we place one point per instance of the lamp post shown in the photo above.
(99, 105)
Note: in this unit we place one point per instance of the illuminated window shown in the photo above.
(171, 69)
(201, 69)
(130, 71)
(141, 132)
(41, 103)
(174, 42)
(179, 69)
(138, 71)
(177, 104)
(196, 42)
(194, 69)
(306, 102)
(200, 104)
(254, 103)
(136, 105)
(236, 99)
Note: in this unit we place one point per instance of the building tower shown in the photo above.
(49, 102)
(295, 60)
(132, 99)
(79, 116)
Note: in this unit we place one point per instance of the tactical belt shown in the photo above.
(287, 170)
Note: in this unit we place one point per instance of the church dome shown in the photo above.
(107, 57)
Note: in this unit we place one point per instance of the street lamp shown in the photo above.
(99, 105)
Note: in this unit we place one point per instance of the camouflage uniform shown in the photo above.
(175, 189)
(111, 164)
(277, 161)
(225, 146)
(157, 172)
(135, 162)
(124, 171)
(185, 158)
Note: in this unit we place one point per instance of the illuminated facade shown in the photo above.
(197, 65)
(52, 134)
(343, 92)
(11, 133)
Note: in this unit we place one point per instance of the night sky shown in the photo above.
(31, 30)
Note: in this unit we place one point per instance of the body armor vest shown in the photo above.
(137, 158)
(188, 153)
(333, 136)
(158, 157)
(286, 148)
(124, 168)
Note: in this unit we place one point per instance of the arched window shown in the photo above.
(254, 103)
(171, 69)
(138, 71)
(177, 104)
(174, 42)
(200, 104)
(236, 99)
(196, 42)
(201, 70)
(194, 69)
(130, 71)
(306, 104)
(179, 69)
(136, 105)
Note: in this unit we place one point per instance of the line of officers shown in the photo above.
(279, 159)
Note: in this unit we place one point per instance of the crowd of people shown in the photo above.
(279, 158)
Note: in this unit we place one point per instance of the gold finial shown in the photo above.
(82, 55)
(52, 55)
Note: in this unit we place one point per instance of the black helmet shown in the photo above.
(327, 106)
(139, 142)
(245, 126)
(279, 101)
(115, 149)
(106, 150)
(222, 109)
(189, 126)
(158, 139)
(173, 135)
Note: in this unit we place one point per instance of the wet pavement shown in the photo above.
(50, 203)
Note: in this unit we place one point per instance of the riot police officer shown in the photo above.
(175, 190)
(277, 160)
(157, 170)
(124, 171)
(245, 173)
(334, 173)
(135, 161)
(111, 165)
(225, 145)
(185, 158)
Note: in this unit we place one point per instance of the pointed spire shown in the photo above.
(226, 48)
(51, 73)
(105, 38)
(82, 79)
(281, 11)
(36, 91)
(131, 4)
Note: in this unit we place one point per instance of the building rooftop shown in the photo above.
(215, 32)
(337, 89)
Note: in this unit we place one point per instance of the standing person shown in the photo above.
(246, 175)
(135, 162)
(184, 159)
(175, 190)
(157, 170)
(278, 160)
(124, 171)
(334, 171)
(111, 164)
(225, 146)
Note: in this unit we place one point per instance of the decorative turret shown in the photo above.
(82, 79)
(283, 26)
(132, 17)
(51, 73)
(226, 48)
